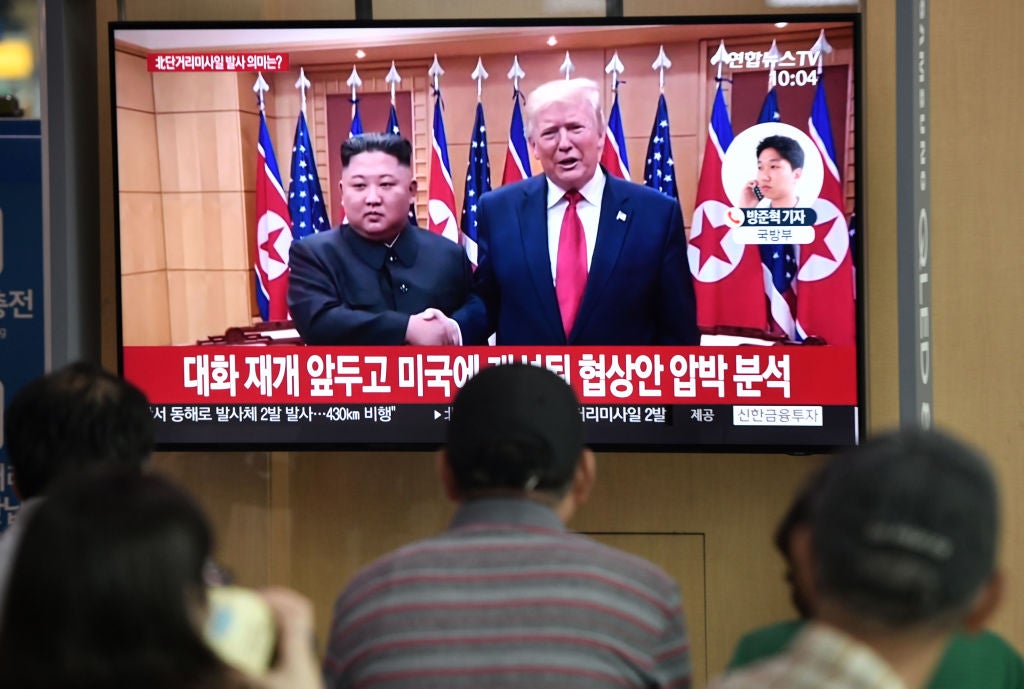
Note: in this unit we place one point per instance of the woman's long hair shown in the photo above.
(107, 590)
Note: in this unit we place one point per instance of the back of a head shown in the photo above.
(107, 588)
(72, 418)
(905, 530)
(515, 428)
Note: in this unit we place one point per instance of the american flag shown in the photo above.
(778, 260)
(393, 128)
(613, 156)
(356, 128)
(305, 197)
(517, 161)
(478, 181)
(273, 232)
(825, 307)
(440, 192)
(727, 275)
(659, 171)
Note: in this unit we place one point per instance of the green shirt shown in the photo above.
(978, 661)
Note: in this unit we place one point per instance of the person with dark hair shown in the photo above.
(893, 550)
(577, 256)
(780, 165)
(62, 423)
(377, 279)
(507, 596)
(108, 591)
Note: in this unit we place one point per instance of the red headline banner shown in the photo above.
(217, 62)
(432, 375)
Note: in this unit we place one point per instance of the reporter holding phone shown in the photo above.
(780, 163)
(108, 590)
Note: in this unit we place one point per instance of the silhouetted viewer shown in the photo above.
(899, 555)
(979, 660)
(506, 596)
(108, 592)
(77, 417)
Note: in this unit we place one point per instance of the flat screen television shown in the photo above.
(217, 174)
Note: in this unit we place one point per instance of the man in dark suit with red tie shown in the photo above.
(576, 256)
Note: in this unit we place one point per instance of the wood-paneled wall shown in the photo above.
(310, 519)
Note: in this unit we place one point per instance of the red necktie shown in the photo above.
(571, 267)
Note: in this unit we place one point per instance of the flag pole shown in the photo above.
(661, 63)
(392, 79)
(821, 48)
(720, 57)
(515, 74)
(260, 87)
(479, 74)
(436, 71)
(354, 82)
(772, 58)
(567, 67)
(615, 68)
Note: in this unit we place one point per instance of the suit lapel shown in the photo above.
(615, 218)
(533, 228)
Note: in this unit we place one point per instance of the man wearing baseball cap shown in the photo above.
(899, 555)
(507, 596)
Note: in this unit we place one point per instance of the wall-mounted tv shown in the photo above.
(228, 139)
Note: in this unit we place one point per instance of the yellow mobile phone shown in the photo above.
(240, 628)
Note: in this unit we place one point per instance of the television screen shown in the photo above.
(717, 309)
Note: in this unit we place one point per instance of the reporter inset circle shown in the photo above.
(739, 164)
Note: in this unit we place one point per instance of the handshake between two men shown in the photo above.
(432, 327)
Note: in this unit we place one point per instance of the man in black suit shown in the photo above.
(376, 280)
(576, 256)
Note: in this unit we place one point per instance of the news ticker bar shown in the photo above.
(324, 425)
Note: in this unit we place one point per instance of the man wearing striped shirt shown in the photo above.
(507, 596)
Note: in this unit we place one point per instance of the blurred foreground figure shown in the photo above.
(894, 552)
(108, 592)
(62, 423)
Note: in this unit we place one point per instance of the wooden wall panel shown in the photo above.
(201, 151)
(976, 279)
(232, 488)
(206, 231)
(201, 91)
(735, 500)
(146, 309)
(248, 132)
(681, 82)
(142, 232)
(134, 83)
(879, 234)
(205, 303)
(146, 10)
(137, 164)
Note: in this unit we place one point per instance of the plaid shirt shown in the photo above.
(820, 657)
